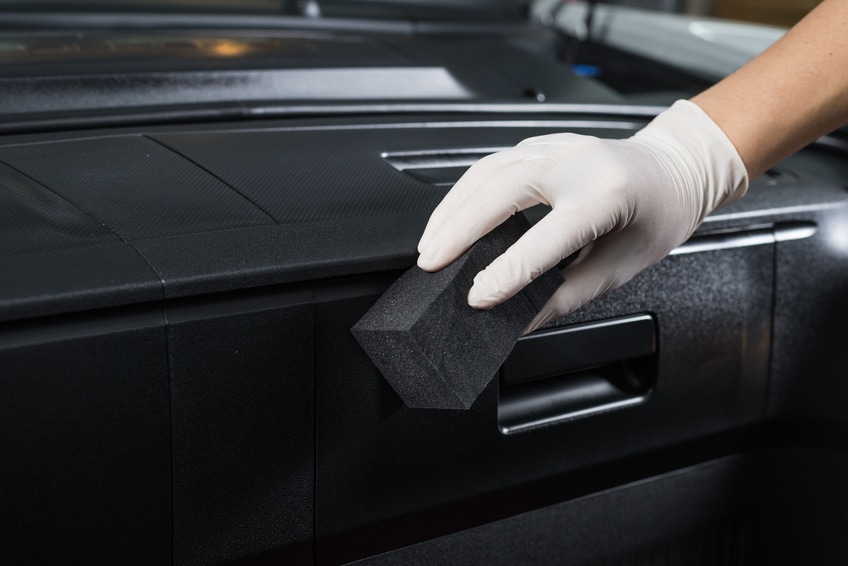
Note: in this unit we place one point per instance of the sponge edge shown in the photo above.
(435, 350)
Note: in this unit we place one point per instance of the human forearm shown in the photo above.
(792, 94)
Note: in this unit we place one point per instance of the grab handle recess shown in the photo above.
(577, 371)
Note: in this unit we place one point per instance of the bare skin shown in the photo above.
(790, 95)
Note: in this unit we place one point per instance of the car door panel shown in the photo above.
(273, 435)
(86, 438)
(242, 427)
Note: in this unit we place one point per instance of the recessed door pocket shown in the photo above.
(567, 373)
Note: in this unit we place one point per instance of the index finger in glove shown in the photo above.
(484, 208)
(555, 237)
(471, 180)
(480, 172)
(609, 264)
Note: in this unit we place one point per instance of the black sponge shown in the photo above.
(435, 350)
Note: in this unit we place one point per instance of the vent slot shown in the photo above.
(439, 167)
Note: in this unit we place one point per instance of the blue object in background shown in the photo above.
(586, 70)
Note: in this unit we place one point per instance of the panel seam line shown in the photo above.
(65, 199)
(767, 402)
(162, 306)
(214, 175)
(314, 428)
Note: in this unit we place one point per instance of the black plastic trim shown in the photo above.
(754, 236)
(55, 121)
(454, 517)
(17, 334)
(577, 371)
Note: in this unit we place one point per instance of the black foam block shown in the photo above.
(435, 350)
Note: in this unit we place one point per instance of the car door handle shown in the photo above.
(566, 373)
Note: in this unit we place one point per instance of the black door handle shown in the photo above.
(572, 372)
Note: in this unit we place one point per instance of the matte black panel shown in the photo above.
(242, 397)
(262, 390)
(136, 187)
(334, 173)
(800, 503)
(344, 209)
(268, 255)
(75, 280)
(810, 365)
(676, 519)
(296, 177)
(780, 507)
(34, 220)
(378, 460)
(85, 440)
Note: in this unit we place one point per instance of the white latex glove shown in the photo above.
(627, 203)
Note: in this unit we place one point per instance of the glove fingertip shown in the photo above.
(432, 259)
(479, 298)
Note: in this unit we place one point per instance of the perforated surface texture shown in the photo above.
(34, 220)
(314, 174)
(134, 186)
(305, 176)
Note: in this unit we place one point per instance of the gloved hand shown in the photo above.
(626, 203)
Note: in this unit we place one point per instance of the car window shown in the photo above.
(660, 50)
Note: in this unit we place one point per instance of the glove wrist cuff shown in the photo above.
(699, 144)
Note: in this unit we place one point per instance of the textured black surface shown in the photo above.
(34, 220)
(344, 210)
(692, 517)
(75, 280)
(288, 445)
(85, 440)
(781, 507)
(379, 461)
(295, 176)
(385, 473)
(810, 365)
(309, 175)
(242, 402)
(219, 257)
(268, 255)
(134, 186)
(435, 350)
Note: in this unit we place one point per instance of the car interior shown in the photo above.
(199, 201)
